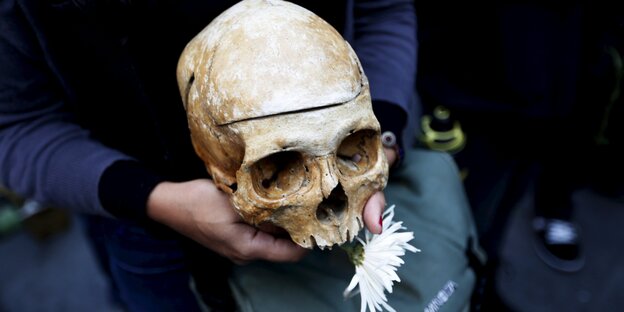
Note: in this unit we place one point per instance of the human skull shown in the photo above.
(279, 110)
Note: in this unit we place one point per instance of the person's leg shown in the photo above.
(430, 201)
(97, 238)
(557, 235)
(563, 169)
(150, 273)
(210, 277)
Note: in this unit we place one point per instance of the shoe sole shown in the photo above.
(566, 266)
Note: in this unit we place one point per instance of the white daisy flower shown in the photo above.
(376, 261)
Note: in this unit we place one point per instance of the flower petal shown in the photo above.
(376, 274)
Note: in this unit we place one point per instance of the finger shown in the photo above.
(260, 245)
(391, 155)
(372, 212)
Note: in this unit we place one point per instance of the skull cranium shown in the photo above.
(279, 111)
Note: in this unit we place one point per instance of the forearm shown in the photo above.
(53, 162)
(44, 154)
(384, 37)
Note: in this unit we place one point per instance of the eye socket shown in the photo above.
(358, 152)
(279, 174)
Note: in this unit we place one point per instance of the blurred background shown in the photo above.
(47, 262)
(526, 96)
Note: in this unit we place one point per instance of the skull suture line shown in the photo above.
(279, 110)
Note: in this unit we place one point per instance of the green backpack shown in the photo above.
(430, 200)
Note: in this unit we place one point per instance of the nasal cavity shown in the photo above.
(333, 208)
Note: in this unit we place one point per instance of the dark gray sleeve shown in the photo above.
(44, 155)
(384, 36)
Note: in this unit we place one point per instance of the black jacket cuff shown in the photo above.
(124, 189)
(392, 118)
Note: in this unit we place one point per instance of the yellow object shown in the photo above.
(450, 141)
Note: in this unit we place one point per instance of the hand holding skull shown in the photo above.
(184, 208)
(200, 211)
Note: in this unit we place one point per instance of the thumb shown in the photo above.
(372, 212)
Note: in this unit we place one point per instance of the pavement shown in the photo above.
(59, 272)
(525, 283)
(51, 270)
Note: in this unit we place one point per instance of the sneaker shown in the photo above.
(558, 245)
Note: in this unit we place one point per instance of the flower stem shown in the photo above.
(355, 251)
